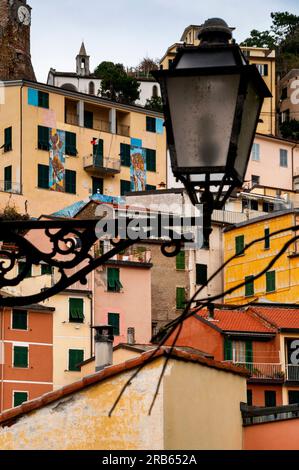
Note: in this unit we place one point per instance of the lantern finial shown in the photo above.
(215, 31)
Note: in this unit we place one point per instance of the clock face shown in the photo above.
(24, 15)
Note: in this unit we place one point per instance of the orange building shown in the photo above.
(262, 338)
(26, 354)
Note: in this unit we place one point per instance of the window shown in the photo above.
(201, 274)
(43, 176)
(155, 91)
(263, 69)
(125, 154)
(43, 138)
(46, 269)
(238, 351)
(19, 398)
(19, 320)
(254, 205)
(113, 320)
(267, 239)
(150, 159)
(8, 139)
(283, 154)
(98, 152)
(125, 187)
(255, 179)
(70, 181)
(91, 88)
(71, 144)
(22, 267)
(284, 93)
(270, 281)
(43, 99)
(150, 124)
(180, 298)
(150, 187)
(239, 242)
(249, 286)
(113, 282)
(249, 397)
(76, 310)
(97, 186)
(284, 116)
(293, 397)
(181, 261)
(20, 357)
(268, 207)
(255, 156)
(8, 178)
(76, 356)
(88, 119)
(270, 398)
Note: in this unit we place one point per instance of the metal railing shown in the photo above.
(105, 163)
(123, 130)
(133, 255)
(292, 373)
(229, 217)
(257, 415)
(260, 370)
(10, 187)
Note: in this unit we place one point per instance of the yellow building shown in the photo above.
(281, 282)
(187, 413)
(60, 146)
(264, 59)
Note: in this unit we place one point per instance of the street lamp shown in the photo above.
(212, 100)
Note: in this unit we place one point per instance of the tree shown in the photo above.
(147, 65)
(116, 85)
(154, 104)
(290, 129)
(260, 39)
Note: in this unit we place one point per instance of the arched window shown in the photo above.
(155, 91)
(83, 64)
(91, 88)
(69, 86)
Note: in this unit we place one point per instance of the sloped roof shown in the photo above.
(282, 318)
(8, 417)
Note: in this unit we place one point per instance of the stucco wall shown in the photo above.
(281, 435)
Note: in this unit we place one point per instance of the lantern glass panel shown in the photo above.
(202, 110)
(203, 59)
(250, 111)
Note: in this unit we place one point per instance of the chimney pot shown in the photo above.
(103, 346)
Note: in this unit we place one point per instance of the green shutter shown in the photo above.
(239, 245)
(19, 398)
(180, 298)
(249, 286)
(270, 281)
(70, 182)
(8, 178)
(181, 261)
(267, 238)
(8, 139)
(249, 352)
(98, 153)
(19, 320)
(76, 356)
(76, 310)
(150, 187)
(20, 357)
(43, 176)
(43, 99)
(125, 153)
(201, 274)
(46, 269)
(228, 349)
(125, 187)
(71, 144)
(113, 282)
(88, 119)
(43, 138)
(150, 124)
(113, 320)
(150, 159)
(22, 267)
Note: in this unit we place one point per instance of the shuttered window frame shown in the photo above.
(19, 320)
(21, 357)
(76, 356)
(76, 310)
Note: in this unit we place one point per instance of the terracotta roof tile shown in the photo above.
(8, 417)
(238, 320)
(285, 318)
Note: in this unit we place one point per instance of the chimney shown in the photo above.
(131, 336)
(103, 346)
(211, 311)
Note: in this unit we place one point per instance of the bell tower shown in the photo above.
(82, 62)
(15, 57)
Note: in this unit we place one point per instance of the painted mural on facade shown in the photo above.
(57, 160)
(138, 169)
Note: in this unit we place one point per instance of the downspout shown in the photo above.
(293, 148)
(2, 365)
(21, 138)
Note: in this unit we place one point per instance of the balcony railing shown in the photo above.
(104, 165)
(103, 126)
(260, 370)
(123, 130)
(133, 255)
(292, 373)
(72, 119)
(10, 187)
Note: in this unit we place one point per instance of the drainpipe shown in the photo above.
(293, 148)
(21, 138)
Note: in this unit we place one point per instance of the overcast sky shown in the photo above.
(127, 30)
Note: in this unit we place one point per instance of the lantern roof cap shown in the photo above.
(215, 29)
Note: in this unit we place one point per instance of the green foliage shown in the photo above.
(116, 84)
(146, 66)
(154, 104)
(11, 213)
(290, 129)
(260, 39)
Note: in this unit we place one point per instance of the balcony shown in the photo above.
(123, 130)
(101, 166)
(292, 373)
(72, 119)
(137, 254)
(263, 371)
(10, 187)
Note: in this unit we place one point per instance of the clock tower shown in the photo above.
(15, 58)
